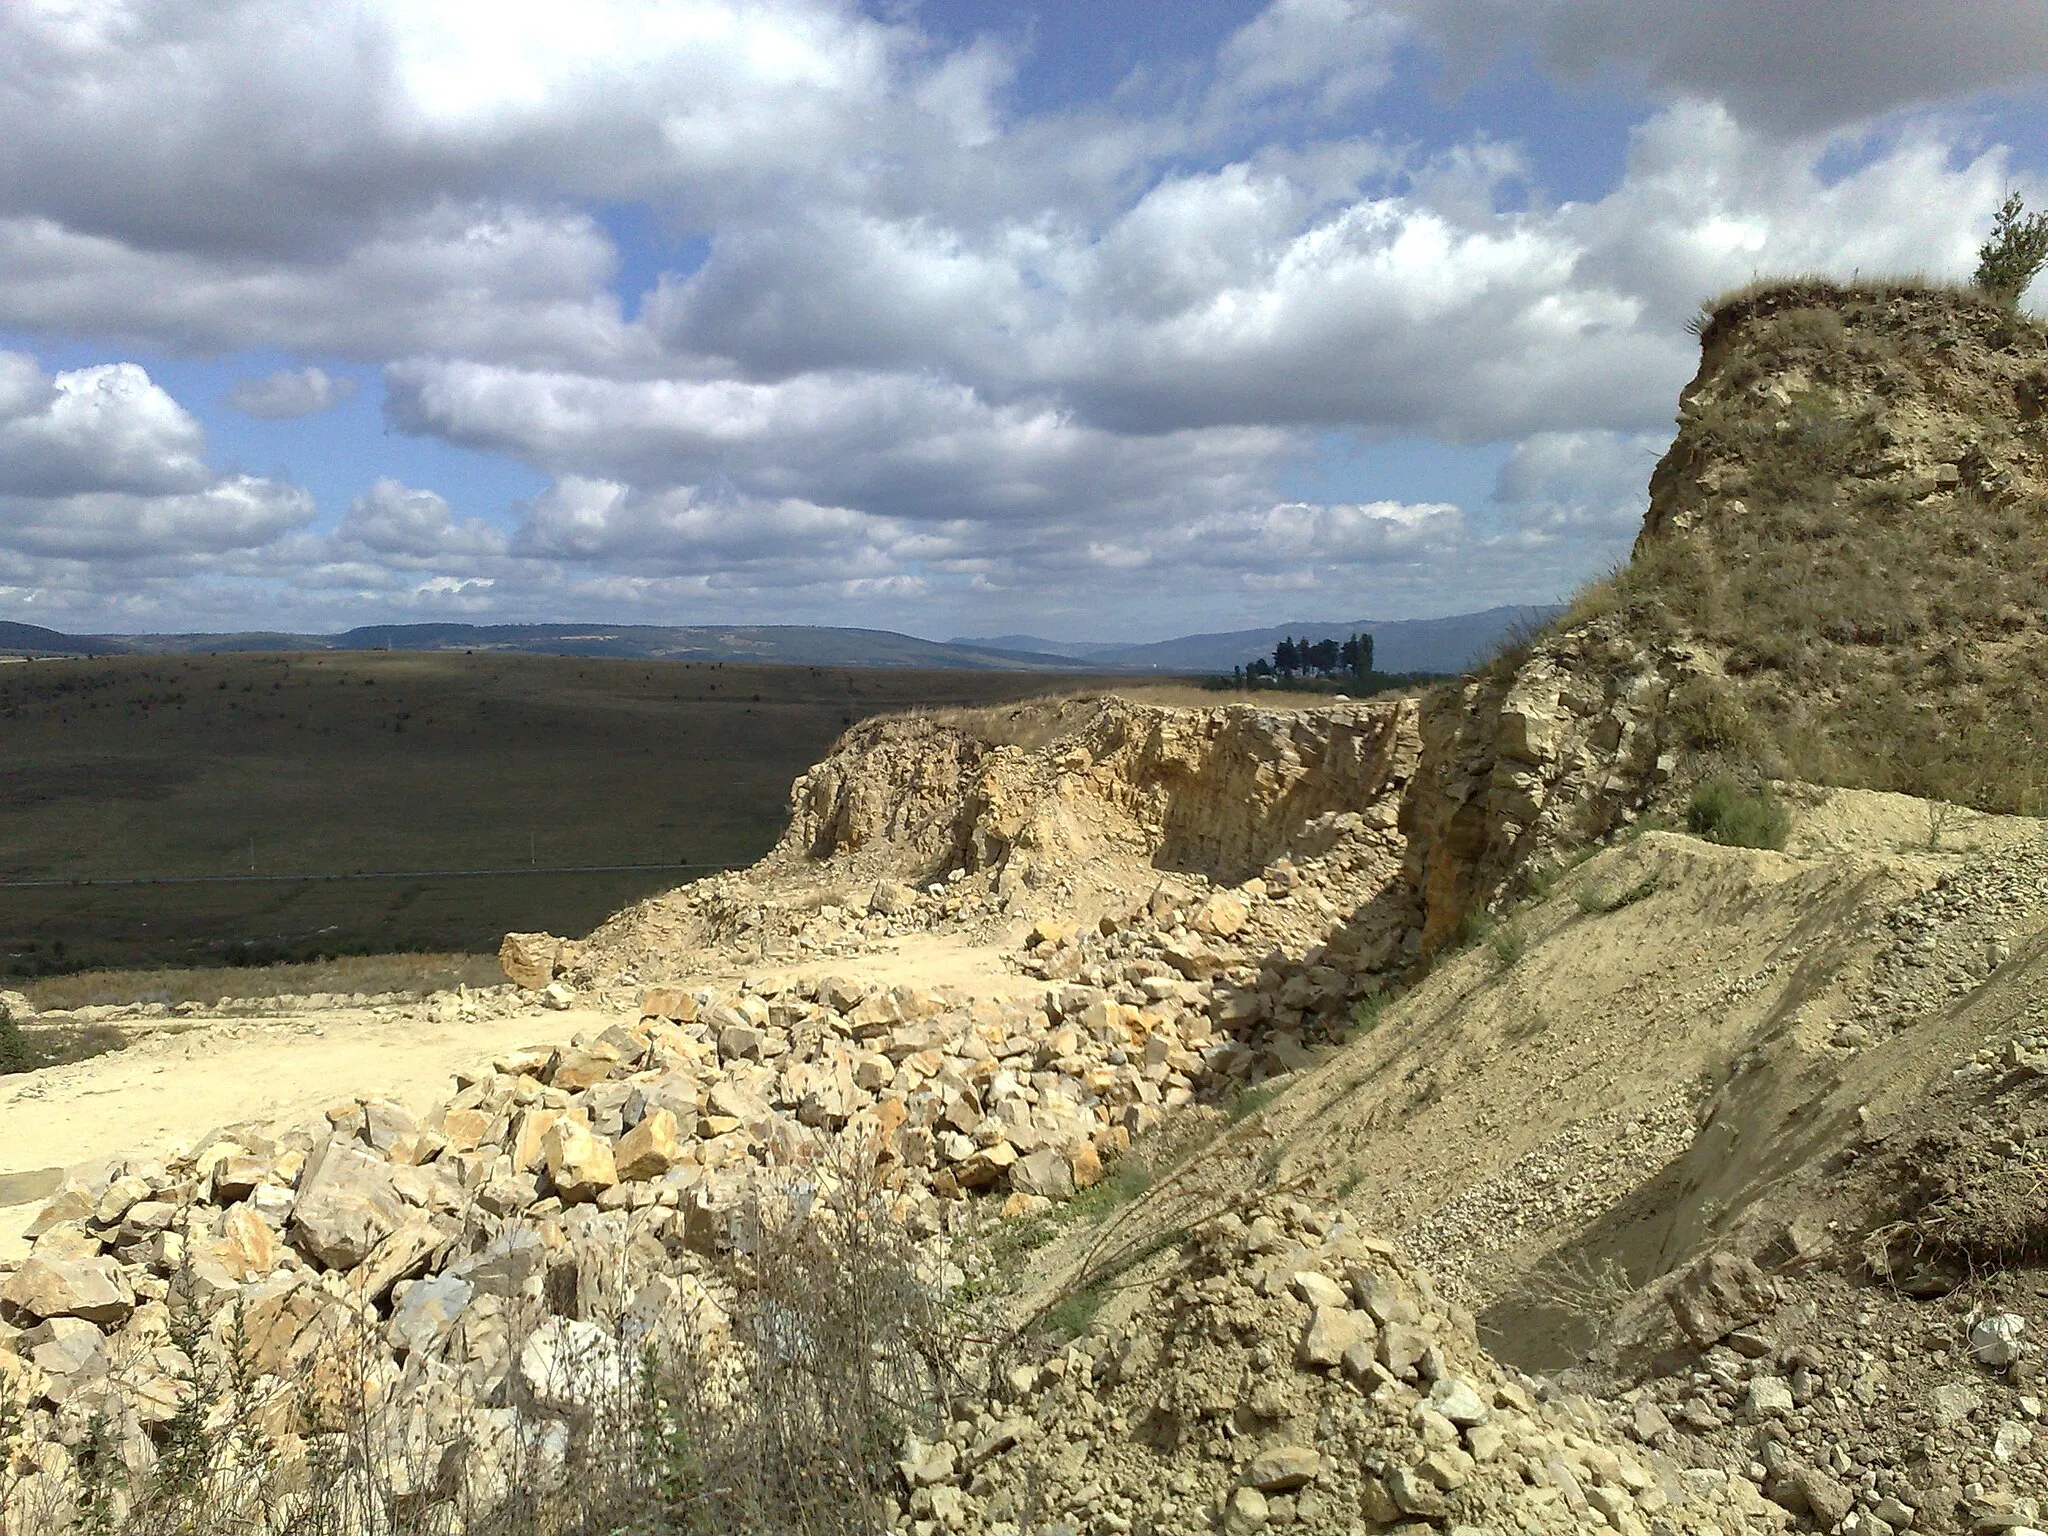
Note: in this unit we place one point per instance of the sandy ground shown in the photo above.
(169, 1089)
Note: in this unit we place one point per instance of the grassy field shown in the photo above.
(153, 766)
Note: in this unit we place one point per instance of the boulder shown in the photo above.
(578, 1067)
(650, 1149)
(427, 1313)
(567, 1364)
(92, 1289)
(1331, 1331)
(985, 1166)
(671, 1003)
(891, 897)
(1045, 1172)
(347, 1204)
(1283, 1468)
(73, 1202)
(1458, 1401)
(529, 959)
(579, 1162)
(1718, 1295)
(1221, 916)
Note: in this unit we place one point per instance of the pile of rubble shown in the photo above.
(1282, 1369)
(648, 1137)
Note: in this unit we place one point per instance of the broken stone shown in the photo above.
(1458, 1401)
(528, 959)
(579, 1162)
(1284, 1467)
(1718, 1295)
(650, 1149)
(1995, 1340)
(92, 1289)
(1330, 1332)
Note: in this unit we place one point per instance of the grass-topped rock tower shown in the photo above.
(1842, 579)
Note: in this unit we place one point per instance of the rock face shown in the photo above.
(1221, 791)
(1517, 766)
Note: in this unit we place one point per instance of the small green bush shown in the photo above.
(1508, 944)
(1121, 1183)
(1476, 926)
(1069, 1318)
(1722, 811)
(16, 1055)
(1596, 901)
(2014, 255)
(1251, 1100)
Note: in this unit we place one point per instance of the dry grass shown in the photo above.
(790, 1420)
(1875, 635)
(1036, 723)
(372, 975)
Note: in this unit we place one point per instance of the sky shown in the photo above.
(1091, 319)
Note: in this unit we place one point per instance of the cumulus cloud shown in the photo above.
(104, 429)
(102, 463)
(939, 349)
(393, 519)
(290, 393)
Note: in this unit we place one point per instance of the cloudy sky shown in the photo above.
(1090, 318)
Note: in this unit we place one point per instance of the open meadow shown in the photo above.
(361, 764)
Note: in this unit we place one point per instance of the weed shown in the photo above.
(1708, 716)
(1365, 1014)
(1723, 812)
(1121, 1183)
(1251, 1101)
(1940, 817)
(1475, 927)
(1069, 1318)
(15, 1054)
(1507, 944)
(1594, 901)
(51, 1045)
(1586, 1287)
(1012, 1240)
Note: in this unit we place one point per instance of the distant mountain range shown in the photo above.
(1401, 645)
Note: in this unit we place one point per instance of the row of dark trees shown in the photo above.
(1317, 658)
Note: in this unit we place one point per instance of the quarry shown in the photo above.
(1608, 1093)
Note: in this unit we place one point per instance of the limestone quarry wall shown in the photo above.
(1220, 792)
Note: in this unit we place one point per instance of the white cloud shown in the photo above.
(1331, 53)
(101, 463)
(942, 351)
(290, 393)
(393, 519)
(103, 429)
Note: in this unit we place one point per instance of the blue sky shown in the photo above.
(1105, 320)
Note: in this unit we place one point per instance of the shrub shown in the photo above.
(1476, 926)
(1594, 901)
(1722, 811)
(1508, 944)
(2014, 255)
(16, 1055)
(1710, 718)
